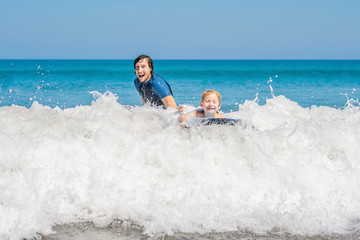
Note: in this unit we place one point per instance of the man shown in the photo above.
(152, 88)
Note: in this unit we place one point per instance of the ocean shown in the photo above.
(81, 158)
(69, 83)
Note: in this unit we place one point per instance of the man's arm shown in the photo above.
(169, 101)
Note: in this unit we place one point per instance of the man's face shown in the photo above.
(142, 70)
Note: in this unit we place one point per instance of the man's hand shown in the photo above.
(181, 108)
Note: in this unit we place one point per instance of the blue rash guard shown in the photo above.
(152, 91)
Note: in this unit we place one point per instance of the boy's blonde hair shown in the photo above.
(209, 92)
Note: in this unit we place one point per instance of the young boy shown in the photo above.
(152, 88)
(210, 103)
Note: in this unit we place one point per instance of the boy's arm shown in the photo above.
(218, 115)
(183, 117)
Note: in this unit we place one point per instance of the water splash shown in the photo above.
(295, 170)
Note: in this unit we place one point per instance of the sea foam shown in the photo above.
(287, 168)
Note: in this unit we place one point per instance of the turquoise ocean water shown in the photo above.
(67, 83)
(81, 158)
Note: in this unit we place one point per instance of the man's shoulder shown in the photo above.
(158, 81)
(160, 86)
(157, 78)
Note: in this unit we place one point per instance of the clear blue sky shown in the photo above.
(182, 29)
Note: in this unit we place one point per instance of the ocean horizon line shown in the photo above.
(165, 59)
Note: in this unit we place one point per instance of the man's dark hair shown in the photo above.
(150, 61)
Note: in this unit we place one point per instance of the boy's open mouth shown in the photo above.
(141, 75)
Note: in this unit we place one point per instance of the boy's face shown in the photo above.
(210, 104)
(143, 70)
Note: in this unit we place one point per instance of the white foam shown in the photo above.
(297, 169)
